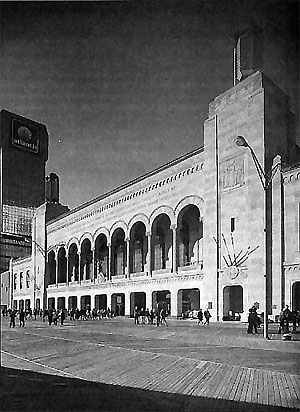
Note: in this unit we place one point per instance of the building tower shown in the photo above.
(23, 156)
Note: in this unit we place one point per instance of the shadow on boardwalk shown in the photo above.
(31, 391)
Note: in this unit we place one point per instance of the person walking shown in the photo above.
(200, 317)
(62, 317)
(163, 315)
(22, 318)
(136, 315)
(252, 321)
(207, 316)
(12, 317)
(157, 317)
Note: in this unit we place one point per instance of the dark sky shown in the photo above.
(124, 87)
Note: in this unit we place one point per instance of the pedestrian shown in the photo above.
(200, 317)
(286, 318)
(55, 317)
(294, 317)
(12, 317)
(163, 316)
(50, 315)
(143, 316)
(152, 316)
(136, 315)
(147, 316)
(157, 317)
(62, 317)
(207, 316)
(22, 318)
(252, 321)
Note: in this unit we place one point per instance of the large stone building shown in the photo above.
(212, 229)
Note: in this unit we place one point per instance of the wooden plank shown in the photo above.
(284, 393)
(229, 380)
(202, 374)
(218, 381)
(232, 392)
(251, 384)
(239, 389)
(246, 385)
(210, 379)
(296, 384)
(276, 389)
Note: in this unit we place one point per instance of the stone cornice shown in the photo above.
(125, 283)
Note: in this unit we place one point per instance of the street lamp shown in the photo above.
(265, 179)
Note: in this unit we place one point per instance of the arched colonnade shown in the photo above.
(165, 241)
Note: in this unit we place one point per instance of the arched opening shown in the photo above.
(21, 304)
(38, 304)
(101, 257)
(72, 302)
(101, 302)
(118, 304)
(51, 303)
(137, 299)
(61, 266)
(161, 299)
(61, 303)
(232, 302)
(85, 302)
(52, 267)
(188, 300)
(86, 260)
(73, 267)
(189, 237)
(138, 248)
(27, 304)
(118, 245)
(161, 243)
(296, 296)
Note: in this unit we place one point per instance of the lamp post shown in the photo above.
(265, 179)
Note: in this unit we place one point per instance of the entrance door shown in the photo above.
(296, 296)
(232, 302)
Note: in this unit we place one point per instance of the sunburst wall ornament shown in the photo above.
(233, 259)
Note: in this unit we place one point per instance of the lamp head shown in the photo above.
(241, 141)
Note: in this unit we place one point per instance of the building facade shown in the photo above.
(23, 156)
(203, 231)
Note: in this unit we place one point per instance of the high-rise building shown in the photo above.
(23, 156)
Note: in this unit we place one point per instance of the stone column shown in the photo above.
(174, 249)
(149, 268)
(109, 262)
(174, 293)
(92, 265)
(79, 267)
(149, 300)
(127, 274)
(56, 270)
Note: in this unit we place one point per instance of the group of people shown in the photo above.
(286, 317)
(150, 317)
(13, 314)
(201, 316)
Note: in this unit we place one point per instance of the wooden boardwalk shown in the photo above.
(140, 369)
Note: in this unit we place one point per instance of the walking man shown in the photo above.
(12, 317)
(22, 318)
(200, 317)
(207, 315)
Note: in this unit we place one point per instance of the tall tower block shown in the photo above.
(23, 156)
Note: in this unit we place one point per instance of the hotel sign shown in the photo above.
(25, 136)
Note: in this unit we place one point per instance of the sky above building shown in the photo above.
(124, 87)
